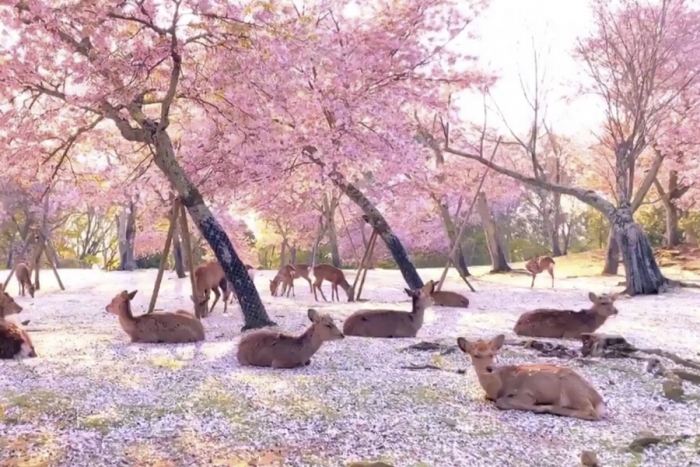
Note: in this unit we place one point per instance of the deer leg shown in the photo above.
(318, 286)
(551, 273)
(337, 295)
(21, 289)
(586, 413)
(294, 294)
(283, 364)
(521, 401)
(311, 288)
(216, 299)
(533, 280)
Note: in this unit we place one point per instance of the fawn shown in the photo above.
(538, 265)
(170, 328)
(24, 278)
(285, 276)
(536, 388)
(14, 341)
(392, 323)
(336, 277)
(269, 348)
(567, 324)
(447, 298)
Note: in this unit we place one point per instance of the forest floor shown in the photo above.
(91, 398)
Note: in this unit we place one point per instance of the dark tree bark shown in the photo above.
(329, 207)
(283, 252)
(669, 197)
(126, 223)
(374, 219)
(556, 225)
(177, 254)
(293, 255)
(612, 255)
(498, 257)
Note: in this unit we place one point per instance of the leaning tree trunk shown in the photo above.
(612, 255)
(374, 219)
(642, 271)
(126, 223)
(498, 257)
(236, 273)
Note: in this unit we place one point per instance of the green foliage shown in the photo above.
(690, 224)
(150, 261)
(522, 249)
(652, 219)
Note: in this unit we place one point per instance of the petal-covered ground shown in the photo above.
(91, 398)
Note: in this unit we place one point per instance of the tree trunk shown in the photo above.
(177, 254)
(375, 220)
(673, 234)
(283, 253)
(127, 237)
(642, 271)
(329, 213)
(669, 197)
(293, 255)
(236, 273)
(612, 255)
(498, 258)
(460, 262)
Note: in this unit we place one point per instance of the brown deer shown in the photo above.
(447, 298)
(538, 265)
(285, 277)
(536, 388)
(269, 348)
(24, 278)
(14, 341)
(392, 323)
(210, 277)
(170, 328)
(336, 277)
(302, 270)
(567, 324)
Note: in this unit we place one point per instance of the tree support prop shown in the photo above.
(175, 211)
(364, 264)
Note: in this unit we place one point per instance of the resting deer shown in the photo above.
(447, 298)
(14, 341)
(536, 388)
(285, 277)
(392, 323)
(538, 265)
(278, 350)
(170, 328)
(567, 324)
(24, 278)
(336, 277)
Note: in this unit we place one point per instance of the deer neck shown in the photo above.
(126, 318)
(490, 382)
(309, 342)
(418, 311)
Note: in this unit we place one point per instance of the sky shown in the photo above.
(508, 29)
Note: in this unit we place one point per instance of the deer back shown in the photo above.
(178, 327)
(382, 323)
(558, 323)
(23, 274)
(208, 275)
(448, 298)
(302, 270)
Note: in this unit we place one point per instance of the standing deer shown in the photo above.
(336, 277)
(24, 278)
(392, 323)
(302, 270)
(14, 341)
(210, 277)
(538, 265)
(567, 324)
(285, 277)
(155, 328)
(274, 349)
(536, 388)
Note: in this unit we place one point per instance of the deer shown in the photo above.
(24, 278)
(285, 277)
(538, 265)
(14, 341)
(155, 328)
(336, 277)
(302, 270)
(567, 324)
(392, 323)
(267, 348)
(539, 388)
(447, 298)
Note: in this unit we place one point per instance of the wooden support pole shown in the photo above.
(12, 270)
(50, 254)
(362, 261)
(463, 229)
(37, 262)
(175, 211)
(370, 251)
(186, 239)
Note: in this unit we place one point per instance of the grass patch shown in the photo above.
(34, 404)
(168, 363)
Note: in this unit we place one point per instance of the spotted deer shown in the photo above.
(268, 348)
(155, 328)
(538, 265)
(336, 277)
(539, 388)
(24, 278)
(567, 324)
(392, 323)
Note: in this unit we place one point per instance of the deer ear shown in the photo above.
(463, 344)
(498, 341)
(430, 287)
(313, 315)
(131, 295)
(592, 297)
(615, 296)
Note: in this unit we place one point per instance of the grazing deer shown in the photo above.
(567, 324)
(269, 348)
(210, 277)
(302, 270)
(392, 323)
(170, 328)
(536, 388)
(24, 278)
(538, 265)
(285, 277)
(336, 277)
(14, 341)
(447, 298)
